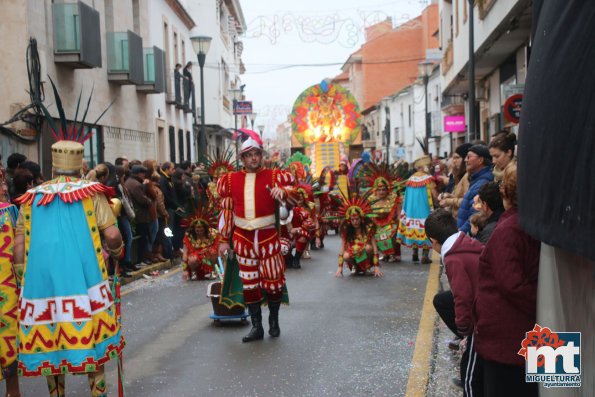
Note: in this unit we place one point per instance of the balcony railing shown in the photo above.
(125, 58)
(77, 40)
(153, 71)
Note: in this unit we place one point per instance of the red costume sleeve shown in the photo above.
(226, 221)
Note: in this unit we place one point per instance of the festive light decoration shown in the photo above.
(325, 113)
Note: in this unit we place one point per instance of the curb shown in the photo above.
(147, 269)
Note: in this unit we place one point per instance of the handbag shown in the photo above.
(127, 204)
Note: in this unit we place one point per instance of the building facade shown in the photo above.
(501, 39)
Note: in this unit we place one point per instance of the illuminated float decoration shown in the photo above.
(325, 119)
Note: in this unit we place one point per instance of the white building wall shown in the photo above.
(482, 29)
(178, 49)
(221, 69)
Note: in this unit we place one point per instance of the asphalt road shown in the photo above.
(352, 336)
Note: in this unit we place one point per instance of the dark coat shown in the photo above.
(142, 202)
(556, 198)
(476, 181)
(169, 193)
(506, 302)
(461, 264)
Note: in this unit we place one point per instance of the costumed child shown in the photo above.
(201, 241)
(386, 204)
(420, 191)
(358, 245)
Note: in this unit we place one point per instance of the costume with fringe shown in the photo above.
(67, 324)
(387, 211)
(200, 253)
(417, 205)
(355, 246)
(8, 292)
(69, 318)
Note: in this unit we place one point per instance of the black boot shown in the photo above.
(274, 329)
(257, 332)
(289, 261)
(296, 260)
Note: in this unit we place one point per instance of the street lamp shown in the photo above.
(425, 71)
(252, 119)
(236, 95)
(261, 129)
(201, 46)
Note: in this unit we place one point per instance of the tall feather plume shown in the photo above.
(64, 130)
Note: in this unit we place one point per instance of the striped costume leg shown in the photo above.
(56, 385)
(97, 383)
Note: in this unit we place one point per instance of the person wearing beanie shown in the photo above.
(478, 164)
(453, 199)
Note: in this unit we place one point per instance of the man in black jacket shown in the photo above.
(170, 198)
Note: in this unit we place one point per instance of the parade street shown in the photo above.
(353, 336)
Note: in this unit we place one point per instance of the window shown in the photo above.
(176, 56)
(172, 143)
(396, 135)
(183, 51)
(226, 82)
(409, 115)
(181, 145)
(188, 156)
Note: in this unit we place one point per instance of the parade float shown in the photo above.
(326, 124)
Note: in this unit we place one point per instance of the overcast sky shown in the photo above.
(287, 42)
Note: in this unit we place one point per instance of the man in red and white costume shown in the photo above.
(248, 202)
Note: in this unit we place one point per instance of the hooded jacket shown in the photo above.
(461, 263)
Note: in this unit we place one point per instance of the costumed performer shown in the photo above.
(358, 245)
(8, 303)
(386, 204)
(217, 166)
(420, 191)
(68, 318)
(201, 243)
(301, 228)
(248, 204)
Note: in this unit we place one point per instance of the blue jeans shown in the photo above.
(126, 231)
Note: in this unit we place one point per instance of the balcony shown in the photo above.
(154, 71)
(125, 58)
(452, 104)
(77, 40)
(173, 95)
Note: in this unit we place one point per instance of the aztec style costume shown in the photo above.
(200, 255)
(248, 217)
(417, 205)
(69, 323)
(298, 230)
(8, 293)
(358, 245)
(385, 208)
(217, 167)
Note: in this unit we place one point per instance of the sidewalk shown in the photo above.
(445, 362)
